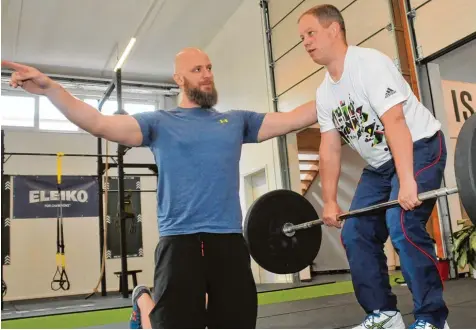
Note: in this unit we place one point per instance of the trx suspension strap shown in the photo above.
(60, 279)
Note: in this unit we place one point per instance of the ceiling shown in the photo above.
(85, 38)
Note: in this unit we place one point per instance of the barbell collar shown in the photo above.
(289, 229)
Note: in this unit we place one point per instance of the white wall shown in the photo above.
(170, 102)
(241, 76)
(332, 254)
(458, 65)
(33, 241)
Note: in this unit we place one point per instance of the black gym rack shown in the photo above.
(118, 162)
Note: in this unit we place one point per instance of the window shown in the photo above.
(18, 111)
(52, 119)
(38, 113)
(92, 102)
(133, 108)
(109, 107)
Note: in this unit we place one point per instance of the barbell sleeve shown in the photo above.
(289, 229)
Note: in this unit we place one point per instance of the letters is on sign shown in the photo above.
(39, 197)
(460, 103)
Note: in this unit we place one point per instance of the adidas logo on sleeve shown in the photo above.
(389, 92)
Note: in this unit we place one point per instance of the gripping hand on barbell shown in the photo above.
(331, 213)
(408, 195)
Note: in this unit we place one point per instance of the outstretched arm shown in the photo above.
(281, 123)
(122, 129)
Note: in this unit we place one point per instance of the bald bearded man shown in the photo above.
(197, 149)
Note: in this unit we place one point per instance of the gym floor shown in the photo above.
(312, 305)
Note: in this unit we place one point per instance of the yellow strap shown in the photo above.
(59, 156)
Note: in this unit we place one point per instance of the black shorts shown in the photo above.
(188, 267)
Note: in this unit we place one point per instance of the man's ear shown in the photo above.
(178, 79)
(335, 27)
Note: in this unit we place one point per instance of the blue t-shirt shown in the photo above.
(198, 153)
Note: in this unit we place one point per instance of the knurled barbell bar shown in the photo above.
(274, 224)
(290, 229)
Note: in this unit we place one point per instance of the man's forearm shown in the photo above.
(400, 142)
(281, 123)
(78, 112)
(329, 168)
(303, 116)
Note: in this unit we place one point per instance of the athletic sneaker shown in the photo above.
(383, 320)
(420, 324)
(134, 322)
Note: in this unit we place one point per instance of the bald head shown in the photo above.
(189, 57)
(193, 74)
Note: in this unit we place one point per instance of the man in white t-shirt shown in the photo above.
(365, 101)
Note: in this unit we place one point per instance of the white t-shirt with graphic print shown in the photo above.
(370, 85)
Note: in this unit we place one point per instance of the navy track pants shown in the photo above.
(364, 237)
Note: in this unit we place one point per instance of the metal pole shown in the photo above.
(282, 144)
(107, 93)
(120, 185)
(100, 172)
(133, 190)
(282, 141)
(100, 169)
(53, 154)
(152, 167)
(411, 28)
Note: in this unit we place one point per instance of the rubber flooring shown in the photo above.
(343, 312)
(76, 304)
(63, 305)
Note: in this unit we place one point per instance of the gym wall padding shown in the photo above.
(417, 3)
(33, 241)
(279, 9)
(440, 23)
(368, 24)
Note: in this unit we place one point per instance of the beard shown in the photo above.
(204, 99)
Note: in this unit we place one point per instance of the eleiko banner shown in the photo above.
(39, 197)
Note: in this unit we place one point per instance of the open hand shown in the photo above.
(408, 195)
(28, 78)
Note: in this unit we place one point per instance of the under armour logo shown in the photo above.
(389, 92)
(223, 121)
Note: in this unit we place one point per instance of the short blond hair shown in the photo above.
(326, 15)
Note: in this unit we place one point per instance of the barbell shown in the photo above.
(282, 228)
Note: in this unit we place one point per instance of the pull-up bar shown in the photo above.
(54, 154)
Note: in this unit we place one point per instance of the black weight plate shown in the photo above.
(465, 166)
(268, 245)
